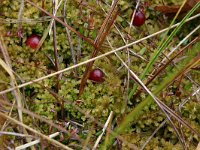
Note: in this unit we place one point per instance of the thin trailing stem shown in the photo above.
(69, 39)
(128, 54)
(50, 123)
(163, 123)
(55, 48)
(56, 57)
(64, 24)
(152, 135)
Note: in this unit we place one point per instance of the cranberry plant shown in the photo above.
(116, 74)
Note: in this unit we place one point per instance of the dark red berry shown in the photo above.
(33, 41)
(139, 18)
(96, 75)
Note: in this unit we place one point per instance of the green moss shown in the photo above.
(98, 100)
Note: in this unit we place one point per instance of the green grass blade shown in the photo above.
(162, 47)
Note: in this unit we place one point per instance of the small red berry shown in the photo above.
(96, 75)
(139, 18)
(33, 41)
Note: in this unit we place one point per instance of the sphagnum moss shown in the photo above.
(98, 99)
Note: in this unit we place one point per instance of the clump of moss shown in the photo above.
(98, 100)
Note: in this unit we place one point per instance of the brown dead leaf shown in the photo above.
(173, 9)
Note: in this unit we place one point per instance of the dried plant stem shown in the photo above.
(95, 58)
(50, 123)
(128, 56)
(81, 110)
(155, 74)
(162, 124)
(103, 130)
(180, 43)
(21, 147)
(15, 134)
(162, 106)
(54, 10)
(16, 92)
(147, 141)
(198, 147)
(107, 136)
(52, 141)
(103, 32)
(69, 40)
(10, 112)
(20, 16)
(55, 49)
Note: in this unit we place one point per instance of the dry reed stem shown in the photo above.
(24, 146)
(103, 131)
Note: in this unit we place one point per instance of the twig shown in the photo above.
(79, 50)
(24, 20)
(128, 55)
(187, 99)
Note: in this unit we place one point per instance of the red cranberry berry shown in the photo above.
(139, 18)
(33, 41)
(96, 75)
